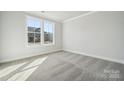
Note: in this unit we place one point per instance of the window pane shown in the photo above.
(33, 25)
(37, 38)
(30, 37)
(37, 29)
(30, 25)
(48, 32)
(37, 25)
(31, 29)
(48, 38)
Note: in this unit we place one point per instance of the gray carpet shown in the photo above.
(62, 66)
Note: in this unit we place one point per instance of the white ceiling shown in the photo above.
(58, 15)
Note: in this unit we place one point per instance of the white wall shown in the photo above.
(99, 34)
(13, 38)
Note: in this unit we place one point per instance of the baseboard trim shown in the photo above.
(43, 53)
(103, 58)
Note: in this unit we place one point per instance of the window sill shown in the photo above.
(48, 44)
(34, 45)
(39, 45)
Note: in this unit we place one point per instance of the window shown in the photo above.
(34, 30)
(48, 32)
(37, 35)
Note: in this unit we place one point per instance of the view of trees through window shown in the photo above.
(35, 31)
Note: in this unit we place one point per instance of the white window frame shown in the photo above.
(41, 33)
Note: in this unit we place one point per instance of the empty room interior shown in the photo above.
(61, 45)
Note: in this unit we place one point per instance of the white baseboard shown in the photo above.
(22, 57)
(95, 56)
